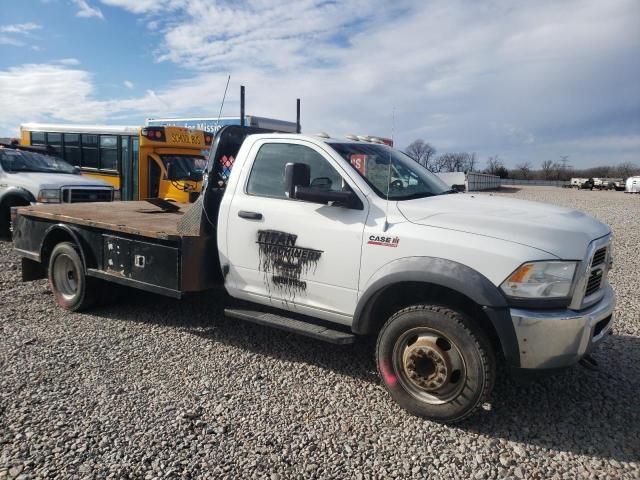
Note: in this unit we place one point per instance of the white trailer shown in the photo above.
(577, 182)
(470, 181)
(632, 185)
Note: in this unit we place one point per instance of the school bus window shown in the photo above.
(38, 138)
(72, 148)
(90, 151)
(54, 138)
(108, 152)
(184, 167)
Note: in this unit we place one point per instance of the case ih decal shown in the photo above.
(384, 241)
(283, 263)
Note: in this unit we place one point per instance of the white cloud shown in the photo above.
(55, 92)
(40, 92)
(128, 84)
(15, 34)
(87, 11)
(20, 28)
(529, 82)
(139, 6)
(7, 40)
(68, 61)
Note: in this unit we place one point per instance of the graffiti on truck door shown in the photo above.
(284, 264)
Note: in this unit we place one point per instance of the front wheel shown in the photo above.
(435, 362)
(72, 288)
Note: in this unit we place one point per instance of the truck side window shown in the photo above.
(267, 174)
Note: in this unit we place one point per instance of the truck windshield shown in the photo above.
(14, 161)
(184, 167)
(388, 170)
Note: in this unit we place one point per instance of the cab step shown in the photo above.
(292, 325)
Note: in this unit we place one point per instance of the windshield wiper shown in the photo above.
(447, 192)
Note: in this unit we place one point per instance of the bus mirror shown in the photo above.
(196, 176)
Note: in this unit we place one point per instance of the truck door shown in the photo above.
(293, 254)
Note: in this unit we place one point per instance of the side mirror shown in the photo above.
(296, 175)
(339, 199)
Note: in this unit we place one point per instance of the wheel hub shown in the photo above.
(427, 365)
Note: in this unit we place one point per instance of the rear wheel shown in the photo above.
(72, 288)
(435, 362)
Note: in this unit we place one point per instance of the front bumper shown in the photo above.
(550, 339)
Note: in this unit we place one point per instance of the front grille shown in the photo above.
(599, 257)
(78, 195)
(593, 274)
(594, 282)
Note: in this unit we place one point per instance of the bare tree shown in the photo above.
(472, 160)
(627, 169)
(494, 164)
(524, 169)
(422, 152)
(455, 162)
(548, 168)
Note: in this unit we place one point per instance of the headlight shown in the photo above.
(540, 280)
(49, 196)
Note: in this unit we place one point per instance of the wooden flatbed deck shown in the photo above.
(137, 218)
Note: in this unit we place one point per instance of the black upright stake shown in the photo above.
(242, 105)
(298, 129)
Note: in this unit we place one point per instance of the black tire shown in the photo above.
(435, 362)
(72, 289)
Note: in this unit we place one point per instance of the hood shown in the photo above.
(36, 181)
(560, 231)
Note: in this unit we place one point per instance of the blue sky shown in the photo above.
(529, 81)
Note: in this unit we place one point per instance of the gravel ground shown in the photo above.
(156, 388)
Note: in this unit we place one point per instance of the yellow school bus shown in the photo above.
(140, 162)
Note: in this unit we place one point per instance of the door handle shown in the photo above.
(250, 215)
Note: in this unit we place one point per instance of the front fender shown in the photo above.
(438, 271)
(16, 192)
(444, 273)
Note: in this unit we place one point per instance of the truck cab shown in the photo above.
(335, 239)
(32, 175)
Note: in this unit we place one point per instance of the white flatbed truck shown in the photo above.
(336, 239)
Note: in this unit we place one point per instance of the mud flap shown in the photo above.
(32, 270)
